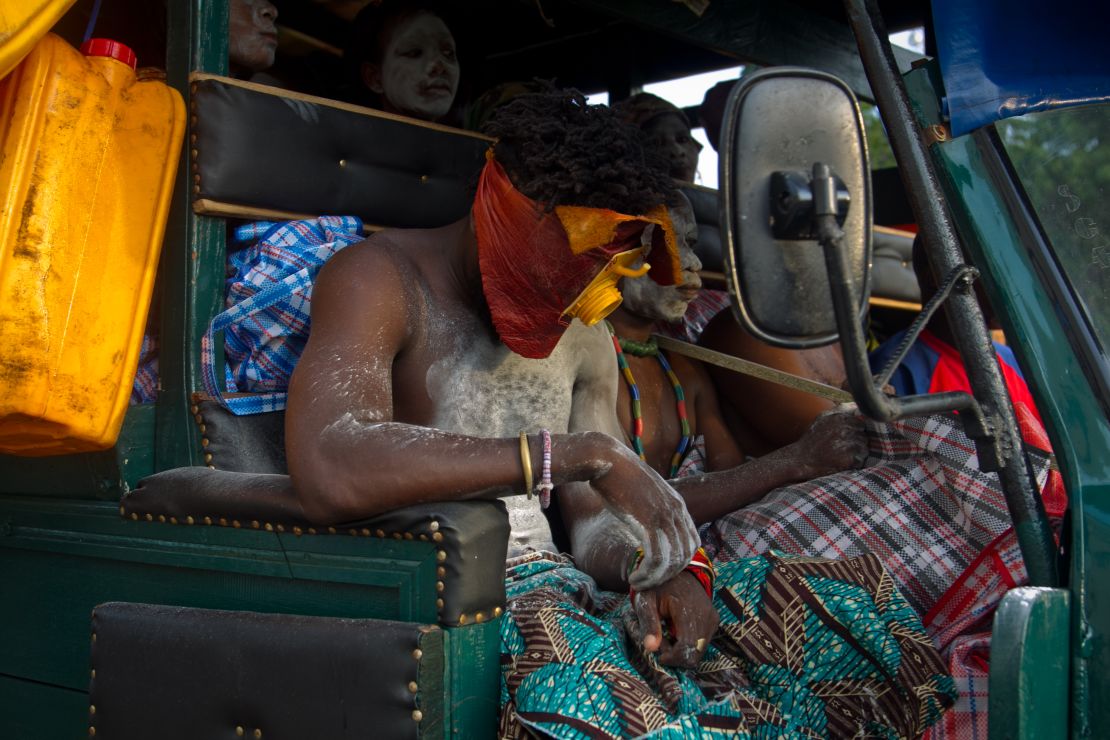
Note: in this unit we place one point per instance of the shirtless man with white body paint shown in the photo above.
(407, 57)
(406, 393)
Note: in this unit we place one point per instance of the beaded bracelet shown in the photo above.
(545, 486)
(526, 463)
(700, 567)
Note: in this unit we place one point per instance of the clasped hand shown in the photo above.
(677, 620)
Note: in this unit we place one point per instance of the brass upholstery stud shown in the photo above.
(208, 520)
(439, 586)
(92, 673)
(255, 524)
(479, 617)
(279, 527)
(417, 715)
(162, 518)
(418, 653)
(94, 637)
(353, 532)
(122, 512)
(189, 520)
(203, 428)
(462, 619)
(423, 538)
(92, 731)
(497, 611)
(365, 532)
(239, 732)
(439, 603)
(134, 517)
(408, 535)
(235, 523)
(312, 530)
(257, 733)
(441, 555)
(380, 533)
(150, 517)
(413, 687)
(434, 526)
(297, 531)
(199, 419)
(331, 530)
(268, 527)
(204, 442)
(173, 520)
(437, 537)
(223, 522)
(441, 571)
(92, 709)
(195, 409)
(342, 163)
(396, 535)
(423, 179)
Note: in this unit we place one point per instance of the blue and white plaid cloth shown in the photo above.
(269, 297)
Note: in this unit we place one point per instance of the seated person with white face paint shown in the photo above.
(252, 36)
(670, 412)
(450, 364)
(404, 55)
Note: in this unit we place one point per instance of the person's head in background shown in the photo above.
(712, 111)
(252, 36)
(666, 132)
(404, 53)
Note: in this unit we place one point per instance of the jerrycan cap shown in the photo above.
(109, 48)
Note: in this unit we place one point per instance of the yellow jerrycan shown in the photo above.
(88, 155)
(22, 24)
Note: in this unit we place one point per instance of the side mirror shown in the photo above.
(779, 123)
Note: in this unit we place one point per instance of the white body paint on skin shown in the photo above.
(645, 297)
(481, 388)
(252, 35)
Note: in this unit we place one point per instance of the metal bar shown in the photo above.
(1001, 448)
(754, 369)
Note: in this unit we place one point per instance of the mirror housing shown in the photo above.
(778, 123)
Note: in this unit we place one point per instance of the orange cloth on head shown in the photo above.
(535, 264)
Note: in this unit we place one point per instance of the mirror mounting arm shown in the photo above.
(871, 399)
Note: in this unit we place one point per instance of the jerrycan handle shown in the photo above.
(109, 48)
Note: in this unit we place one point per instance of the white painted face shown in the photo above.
(252, 35)
(419, 72)
(670, 135)
(645, 297)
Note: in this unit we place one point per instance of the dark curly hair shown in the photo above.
(559, 150)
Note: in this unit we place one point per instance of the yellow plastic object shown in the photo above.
(601, 297)
(88, 155)
(22, 24)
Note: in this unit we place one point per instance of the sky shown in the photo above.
(688, 91)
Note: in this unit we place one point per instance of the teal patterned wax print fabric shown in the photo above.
(806, 648)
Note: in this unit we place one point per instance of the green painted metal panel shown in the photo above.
(34, 711)
(473, 682)
(1080, 434)
(191, 272)
(96, 475)
(60, 559)
(1029, 665)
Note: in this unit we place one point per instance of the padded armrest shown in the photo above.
(272, 149)
(471, 537)
(892, 274)
(250, 444)
(170, 672)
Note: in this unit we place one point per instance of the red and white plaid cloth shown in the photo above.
(939, 525)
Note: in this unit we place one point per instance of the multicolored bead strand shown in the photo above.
(650, 348)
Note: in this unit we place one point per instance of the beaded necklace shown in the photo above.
(651, 349)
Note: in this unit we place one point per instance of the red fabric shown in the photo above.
(530, 274)
(950, 374)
